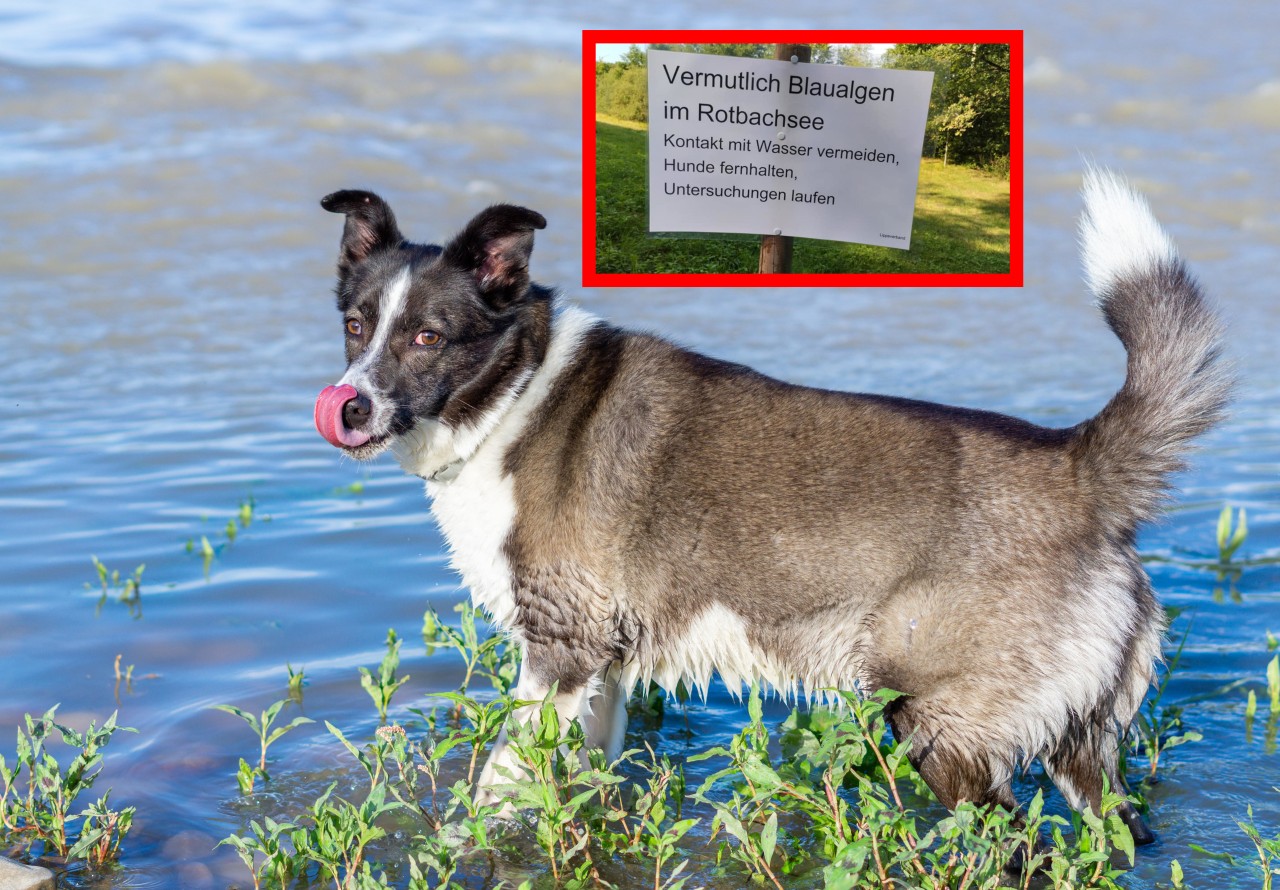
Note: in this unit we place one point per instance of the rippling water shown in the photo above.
(165, 276)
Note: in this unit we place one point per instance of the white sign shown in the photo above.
(777, 148)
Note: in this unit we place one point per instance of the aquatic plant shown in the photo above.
(1157, 727)
(247, 775)
(297, 679)
(240, 520)
(829, 804)
(1230, 539)
(489, 657)
(1268, 851)
(382, 687)
(246, 511)
(1273, 685)
(128, 590)
(42, 816)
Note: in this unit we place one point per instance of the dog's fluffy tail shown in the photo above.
(1176, 387)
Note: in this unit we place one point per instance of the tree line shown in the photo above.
(968, 112)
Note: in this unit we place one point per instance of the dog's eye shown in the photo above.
(428, 338)
(354, 327)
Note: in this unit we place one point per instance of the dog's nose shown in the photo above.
(355, 413)
(340, 411)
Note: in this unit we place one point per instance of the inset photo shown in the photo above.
(783, 158)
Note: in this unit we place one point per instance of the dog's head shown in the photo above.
(437, 338)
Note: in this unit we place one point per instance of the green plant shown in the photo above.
(128, 591)
(559, 792)
(1268, 850)
(206, 554)
(246, 511)
(338, 835)
(490, 658)
(384, 686)
(824, 801)
(43, 814)
(1229, 539)
(101, 832)
(1273, 713)
(247, 775)
(296, 681)
(1273, 684)
(329, 839)
(125, 676)
(1158, 727)
(267, 852)
(475, 724)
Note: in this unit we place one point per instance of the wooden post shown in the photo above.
(775, 250)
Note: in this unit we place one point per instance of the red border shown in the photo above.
(592, 278)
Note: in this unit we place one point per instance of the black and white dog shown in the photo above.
(626, 509)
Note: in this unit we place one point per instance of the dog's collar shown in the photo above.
(448, 472)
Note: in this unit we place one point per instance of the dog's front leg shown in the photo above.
(605, 721)
(568, 631)
(503, 765)
(600, 705)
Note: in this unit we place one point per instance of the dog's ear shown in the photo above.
(370, 226)
(495, 248)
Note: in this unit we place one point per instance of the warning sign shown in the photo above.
(770, 147)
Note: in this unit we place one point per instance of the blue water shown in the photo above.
(165, 280)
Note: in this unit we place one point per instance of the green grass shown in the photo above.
(961, 224)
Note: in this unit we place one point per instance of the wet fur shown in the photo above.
(627, 509)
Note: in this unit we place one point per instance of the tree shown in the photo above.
(966, 76)
(953, 122)
(635, 57)
(740, 50)
(856, 55)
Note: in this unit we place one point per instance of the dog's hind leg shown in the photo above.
(954, 769)
(1078, 765)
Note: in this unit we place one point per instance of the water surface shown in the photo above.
(165, 279)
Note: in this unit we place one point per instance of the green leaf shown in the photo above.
(247, 718)
(1120, 836)
(1242, 531)
(1273, 684)
(293, 724)
(1224, 527)
(769, 838)
(1221, 857)
(732, 825)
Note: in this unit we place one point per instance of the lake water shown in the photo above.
(165, 280)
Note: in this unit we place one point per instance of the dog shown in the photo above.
(626, 509)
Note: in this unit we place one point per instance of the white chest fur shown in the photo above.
(476, 512)
(476, 508)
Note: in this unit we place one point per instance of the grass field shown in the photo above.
(961, 223)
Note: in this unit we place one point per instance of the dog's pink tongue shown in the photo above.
(329, 417)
